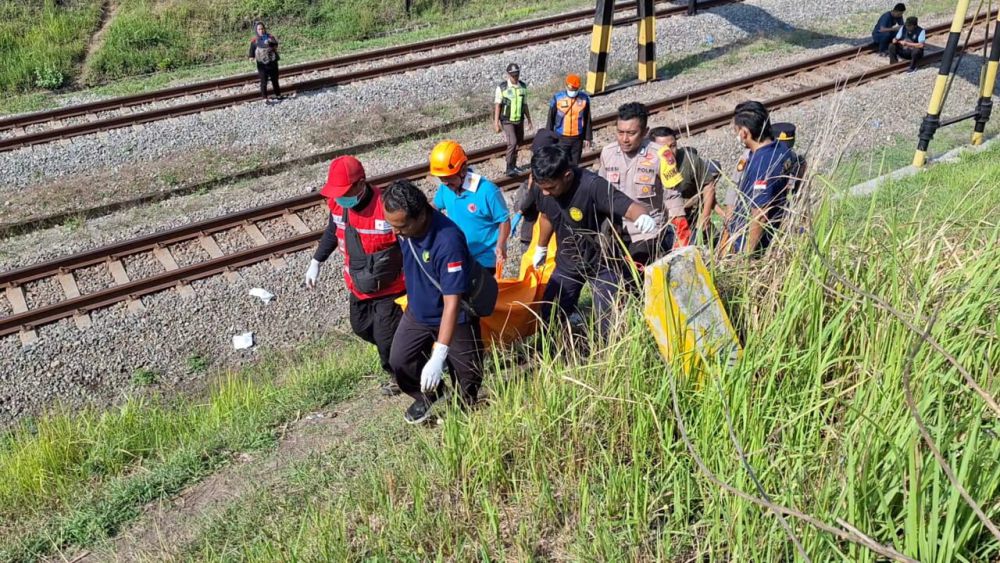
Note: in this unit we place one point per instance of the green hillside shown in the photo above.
(54, 43)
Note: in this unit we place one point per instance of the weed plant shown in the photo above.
(74, 478)
(42, 42)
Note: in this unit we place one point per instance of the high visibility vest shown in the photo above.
(512, 101)
(569, 116)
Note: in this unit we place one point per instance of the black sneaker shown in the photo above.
(511, 172)
(389, 388)
(418, 412)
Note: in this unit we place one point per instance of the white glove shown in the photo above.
(312, 274)
(645, 224)
(430, 377)
(541, 252)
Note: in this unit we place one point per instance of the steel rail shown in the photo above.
(68, 308)
(152, 284)
(51, 267)
(10, 122)
(198, 106)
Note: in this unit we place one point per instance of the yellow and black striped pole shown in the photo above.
(933, 118)
(600, 43)
(985, 105)
(647, 41)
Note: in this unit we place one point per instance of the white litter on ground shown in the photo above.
(243, 341)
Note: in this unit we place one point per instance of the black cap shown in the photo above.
(912, 20)
(513, 68)
(544, 138)
(784, 132)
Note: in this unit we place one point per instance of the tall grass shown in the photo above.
(43, 41)
(584, 459)
(76, 478)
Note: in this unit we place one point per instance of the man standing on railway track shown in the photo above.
(569, 117)
(439, 328)
(473, 202)
(886, 28)
(373, 260)
(264, 50)
(632, 165)
(510, 114)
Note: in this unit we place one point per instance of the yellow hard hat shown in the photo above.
(447, 159)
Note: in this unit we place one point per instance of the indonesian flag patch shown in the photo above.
(454, 267)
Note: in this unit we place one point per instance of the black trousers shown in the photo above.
(575, 145)
(913, 55)
(375, 321)
(566, 284)
(268, 72)
(514, 133)
(411, 347)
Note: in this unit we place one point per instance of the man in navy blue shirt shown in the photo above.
(435, 331)
(762, 191)
(886, 28)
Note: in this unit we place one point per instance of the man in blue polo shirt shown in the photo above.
(886, 28)
(435, 331)
(762, 191)
(474, 203)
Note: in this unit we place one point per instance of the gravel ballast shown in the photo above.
(96, 365)
(241, 126)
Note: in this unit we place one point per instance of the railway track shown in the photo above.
(124, 111)
(14, 228)
(160, 247)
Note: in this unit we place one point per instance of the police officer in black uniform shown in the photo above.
(579, 206)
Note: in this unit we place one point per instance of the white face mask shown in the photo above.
(572, 93)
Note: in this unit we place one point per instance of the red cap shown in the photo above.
(345, 171)
(573, 81)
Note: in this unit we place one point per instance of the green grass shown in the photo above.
(860, 166)
(76, 478)
(144, 376)
(42, 43)
(583, 459)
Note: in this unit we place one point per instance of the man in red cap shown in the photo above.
(569, 117)
(373, 261)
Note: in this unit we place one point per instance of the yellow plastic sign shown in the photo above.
(670, 175)
(685, 314)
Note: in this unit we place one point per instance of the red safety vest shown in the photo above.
(376, 234)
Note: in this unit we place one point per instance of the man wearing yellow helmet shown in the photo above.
(473, 202)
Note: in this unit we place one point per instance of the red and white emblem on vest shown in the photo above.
(454, 267)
